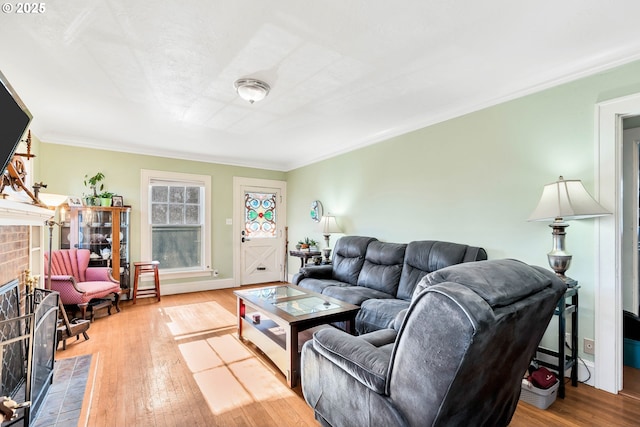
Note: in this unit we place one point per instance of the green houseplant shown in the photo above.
(105, 198)
(306, 243)
(95, 185)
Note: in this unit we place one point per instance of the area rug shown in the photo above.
(63, 404)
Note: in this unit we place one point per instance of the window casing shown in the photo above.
(176, 221)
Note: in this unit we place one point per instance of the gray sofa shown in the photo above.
(380, 277)
(455, 359)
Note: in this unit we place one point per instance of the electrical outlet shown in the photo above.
(589, 346)
(215, 273)
(567, 338)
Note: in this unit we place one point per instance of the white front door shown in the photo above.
(259, 220)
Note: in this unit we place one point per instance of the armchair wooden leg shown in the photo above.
(83, 309)
(116, 302)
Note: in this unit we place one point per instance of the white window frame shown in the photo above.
(147, 176)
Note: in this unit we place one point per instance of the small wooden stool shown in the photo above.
(146, 267)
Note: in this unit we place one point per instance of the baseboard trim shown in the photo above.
(187, 287)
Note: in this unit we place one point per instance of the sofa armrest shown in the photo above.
(63, 281)
(318, 271)
(355, 356)
(313, 272)
(397, 321)
(381, 337)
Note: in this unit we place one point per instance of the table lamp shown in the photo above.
(328, 226)
(52, 201)
(564, 200)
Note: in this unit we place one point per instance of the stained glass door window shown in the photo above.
(260, 215)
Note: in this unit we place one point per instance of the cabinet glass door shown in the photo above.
(124, 249)
(104, 231)
(94, 233)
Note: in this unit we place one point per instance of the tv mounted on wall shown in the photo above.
(14, 120)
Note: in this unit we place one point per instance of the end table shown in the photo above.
(305, 256)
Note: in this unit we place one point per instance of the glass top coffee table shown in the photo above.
(273, 317)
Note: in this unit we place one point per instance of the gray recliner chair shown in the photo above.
(456, 356)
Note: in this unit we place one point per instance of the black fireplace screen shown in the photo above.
(44, 345)
(12, 328)
(27, 345)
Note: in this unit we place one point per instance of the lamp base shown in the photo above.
(559, 264)
(559, 258)
(327, 255)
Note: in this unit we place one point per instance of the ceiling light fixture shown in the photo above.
(252, 90)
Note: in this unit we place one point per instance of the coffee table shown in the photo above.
(272, 318)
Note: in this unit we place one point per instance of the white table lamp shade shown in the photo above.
(566, 199)
(329, 225)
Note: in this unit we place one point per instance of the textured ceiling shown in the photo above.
(157, 77)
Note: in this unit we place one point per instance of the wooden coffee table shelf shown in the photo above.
(273, 317)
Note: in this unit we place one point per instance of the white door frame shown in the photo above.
(238, 212)
(608, 280)
(630, 170)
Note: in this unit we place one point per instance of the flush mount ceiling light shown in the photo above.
(251, 90)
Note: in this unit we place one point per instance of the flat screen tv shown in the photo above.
(14, 120)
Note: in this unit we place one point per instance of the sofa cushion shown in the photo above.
(382, 267)
(424, 256)
(348, 258)
(378, 314)
(353, 294)
(319, 285)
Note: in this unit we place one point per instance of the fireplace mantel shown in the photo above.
(14, 214)
(22, 213)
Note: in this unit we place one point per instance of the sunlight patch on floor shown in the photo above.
(258, 380)
(221, 390)
(189, 319)
(199, 356)
(229, 375)
(229, 348)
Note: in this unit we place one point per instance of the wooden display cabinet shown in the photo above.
(102, 230)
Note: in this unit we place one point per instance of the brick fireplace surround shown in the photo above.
(22, 240)
(14, 252)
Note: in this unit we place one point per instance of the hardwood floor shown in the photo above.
(152, 373)
(631, 382)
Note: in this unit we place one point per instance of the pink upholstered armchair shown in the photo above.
(78, 283)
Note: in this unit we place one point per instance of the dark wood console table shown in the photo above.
(305, 256)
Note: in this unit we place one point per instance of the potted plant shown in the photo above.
(105, 198)
(94, 184)
(307, 243)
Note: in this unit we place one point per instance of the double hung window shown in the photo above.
(177, 220)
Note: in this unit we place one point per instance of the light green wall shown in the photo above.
(474, 179)
(63, 168)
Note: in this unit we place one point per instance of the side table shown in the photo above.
(565, 361)
(305, 256)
